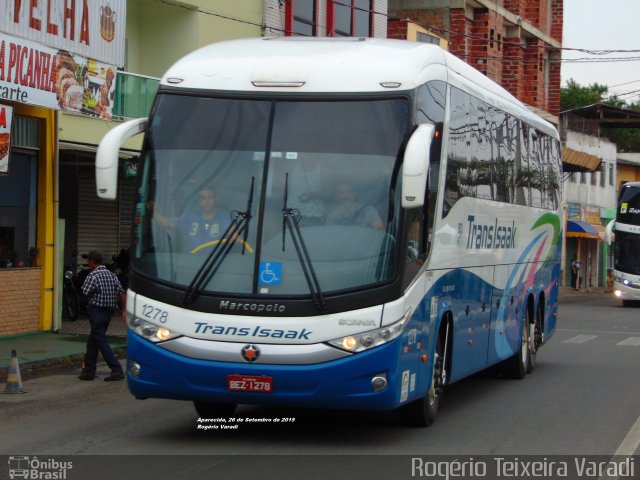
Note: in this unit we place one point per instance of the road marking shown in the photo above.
(596, 331)
(630, 342)
(580, 339)
(631, 442)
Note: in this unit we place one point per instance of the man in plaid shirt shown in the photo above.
(102, 288)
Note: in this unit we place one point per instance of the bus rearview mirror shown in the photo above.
(415, 166)
(109, 153)
(608, 232)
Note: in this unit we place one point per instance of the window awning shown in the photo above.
(584, 230)
(574, 161)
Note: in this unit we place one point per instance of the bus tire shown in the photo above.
(214, 410)
(422, 412)
(518, 365)
(535, 336)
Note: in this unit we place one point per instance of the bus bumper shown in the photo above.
(345, 383)
(627, 291)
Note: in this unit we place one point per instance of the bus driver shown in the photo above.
(197, 228)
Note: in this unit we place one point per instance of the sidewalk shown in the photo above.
(566, 292)
(44, 352)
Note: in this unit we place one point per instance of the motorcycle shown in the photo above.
(70, 300)
(74, 302)
(120, 267)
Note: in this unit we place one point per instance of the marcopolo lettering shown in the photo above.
(490, 236)
(252, 307)
(257, 331)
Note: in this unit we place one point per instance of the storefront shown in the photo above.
(27, 220)
(584, 242)
(51, 60)
(91, 222)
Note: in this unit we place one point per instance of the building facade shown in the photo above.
(514, 42)
(52, 59)
(589, 192)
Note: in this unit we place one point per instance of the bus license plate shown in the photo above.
(249, 383)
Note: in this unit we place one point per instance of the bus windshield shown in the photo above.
(221, 176)
(626, 253)
(629, 206)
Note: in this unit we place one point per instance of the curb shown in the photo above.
(51, 365)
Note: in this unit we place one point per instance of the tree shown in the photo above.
(575, 95)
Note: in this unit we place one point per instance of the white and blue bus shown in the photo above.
(626, 260)
(386, 221)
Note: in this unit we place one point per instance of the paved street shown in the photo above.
(581, 399)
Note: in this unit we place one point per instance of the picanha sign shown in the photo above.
(38, 75)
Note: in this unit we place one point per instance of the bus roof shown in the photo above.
(335, 65)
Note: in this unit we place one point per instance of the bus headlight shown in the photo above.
(373, 338)
(148, 330)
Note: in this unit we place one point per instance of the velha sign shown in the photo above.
(91, 28)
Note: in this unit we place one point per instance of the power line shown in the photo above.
(504, 42)
(625, 83)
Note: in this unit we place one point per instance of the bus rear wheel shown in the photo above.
(518, 365)
(535, 337)
(214, 410)
(422, 412)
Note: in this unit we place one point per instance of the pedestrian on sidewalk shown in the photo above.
(575, 273)
(102, 288)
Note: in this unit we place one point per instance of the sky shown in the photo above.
(603, 25)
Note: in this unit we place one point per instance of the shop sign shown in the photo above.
(38, 75)
(91, 28)
(6, 113)
(574, 212)
(591, 214)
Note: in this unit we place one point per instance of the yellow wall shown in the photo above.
(412, 34)
(158, 34)
(75, 128)
(46, 213)
(627, 173)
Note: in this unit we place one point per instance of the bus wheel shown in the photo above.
(535, 337)
(214, 410)
(422, 412)
(518, 365)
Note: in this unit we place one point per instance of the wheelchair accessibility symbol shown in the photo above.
(270, 273)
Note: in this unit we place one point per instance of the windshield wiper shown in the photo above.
(291, 218)
(239, 226)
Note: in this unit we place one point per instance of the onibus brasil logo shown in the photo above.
(32, 468)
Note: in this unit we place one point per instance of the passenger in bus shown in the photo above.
(348, 211)
(307, 191)
(197, 228)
